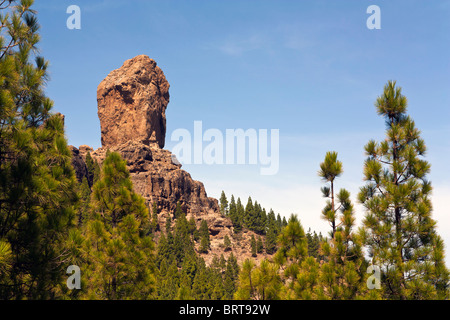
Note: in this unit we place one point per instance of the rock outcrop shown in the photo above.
(158, 179)
(132, 101)
(131, 106)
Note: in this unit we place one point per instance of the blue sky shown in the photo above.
(311, 69)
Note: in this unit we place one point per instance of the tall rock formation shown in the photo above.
(132, 102)
(131, 107)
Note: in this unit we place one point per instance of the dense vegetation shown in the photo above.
(49, 220)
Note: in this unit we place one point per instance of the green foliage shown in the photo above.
(293, 242)
(253, 217)
(259, 245)
(238, 221)
(253, 246)
(194, 280)
(193, 229)
(49, 221)
(6, 258)
(231, 277)
(249, 215)
(37, 181)
(314, 241)
(118, 251)
(293, 249)
(223, 202)
(341, 274)
(154, 225)
(398, 228)
(84, 203)
(330, 169)
(258, 282)
(204, 237)
(227, 243)
(272, 233)
(178, 211)
(183, 245)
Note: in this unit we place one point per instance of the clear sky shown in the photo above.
(311, 69)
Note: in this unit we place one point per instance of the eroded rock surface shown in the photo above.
(132, 101)
(131, 107)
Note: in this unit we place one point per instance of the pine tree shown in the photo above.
(309, 239)
(343, 272)
(253, 246)
(240, 213)
(246, 287)
(292, 251)
(193, 229)
(236, 213)
(189, 268)
(218, 292)
(248, 218)
(223, 204)
(120, 263)
(259, 245)
(85, 200)
(330, 169)
(227, 243)
(284, 223)
(154, 225)
(398, 228)
(271, 234)
(229, 283)
(232, 210)
(37, 181)
(184, 292)
(279, 222)
(168, 226)
(162, 251)
(168, 284)
(204, 237)
(202, 287)
(308, 284)
(254, 218)
(292, 241)
(259, 217)
(96, 172)
(258, 282)
(222, 263)
(231, 277)
(266, 281)
(313, 244)
(263, 222)
(183, 245)
(90, 169)
(170, 254)
(178, 210)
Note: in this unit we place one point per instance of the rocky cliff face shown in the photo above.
(131, 106)
(159, 180)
